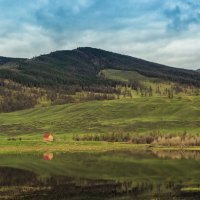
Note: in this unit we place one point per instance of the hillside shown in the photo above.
(81, 66)
(7, 61)
(134, 116)
(83, 74)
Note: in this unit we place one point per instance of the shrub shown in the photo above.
(152, 138)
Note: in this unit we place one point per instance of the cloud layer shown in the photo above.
(167, 31)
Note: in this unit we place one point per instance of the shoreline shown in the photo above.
(88, 147)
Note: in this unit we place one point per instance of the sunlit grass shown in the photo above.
(139, 116)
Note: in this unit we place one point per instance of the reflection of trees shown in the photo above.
(10, 177)
(195, 155)
(59, 187)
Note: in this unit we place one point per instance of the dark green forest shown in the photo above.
(81, 67)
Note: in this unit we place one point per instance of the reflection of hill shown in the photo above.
(22, 184)
(10, 176)
(131, 166)
(101, 174)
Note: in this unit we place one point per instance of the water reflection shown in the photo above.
(48, 156)
(109, 175)
(177, 154)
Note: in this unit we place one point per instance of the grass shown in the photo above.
(137, 116)
(64, 146)
(154, 83)
(190, 189)
(125, 76)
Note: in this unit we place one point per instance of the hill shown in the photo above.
(81, 66)
(7, 60)
(85, 74)
(134, 116)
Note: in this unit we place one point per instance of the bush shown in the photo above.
(153, 138)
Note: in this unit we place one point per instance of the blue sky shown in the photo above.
(164, 31)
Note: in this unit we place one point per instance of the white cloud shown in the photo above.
(178, 52)
(140, 35)
(173, 51)
(75, 6)
(32, 41)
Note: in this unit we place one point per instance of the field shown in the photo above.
(109, 124)
(135, 116)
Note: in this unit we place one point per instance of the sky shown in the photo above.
(162, 31)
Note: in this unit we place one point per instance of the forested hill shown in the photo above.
(82, 66)
(6, 60)
(86, 74)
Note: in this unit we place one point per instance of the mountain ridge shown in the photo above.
(82, 65)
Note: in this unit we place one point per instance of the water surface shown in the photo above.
(114, 175)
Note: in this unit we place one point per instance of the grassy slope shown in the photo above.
(124, 76)
(137, 115)
(154, 83)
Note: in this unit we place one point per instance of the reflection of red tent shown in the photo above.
(48, 137)
(48, 156)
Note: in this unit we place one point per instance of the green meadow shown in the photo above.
(135, 116)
